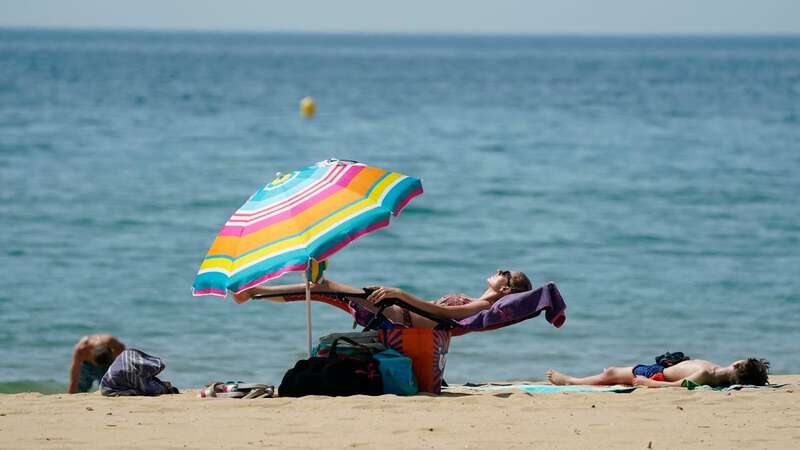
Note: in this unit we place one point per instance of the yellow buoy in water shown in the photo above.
(307, 107)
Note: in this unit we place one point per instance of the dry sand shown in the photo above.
(647, 418)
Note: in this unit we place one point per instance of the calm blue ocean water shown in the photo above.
(654, 179)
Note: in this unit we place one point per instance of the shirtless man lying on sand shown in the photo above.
(746, 371)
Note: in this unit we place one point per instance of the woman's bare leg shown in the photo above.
(333, 286)
(278, 289)
(610, 375)
(393, 313)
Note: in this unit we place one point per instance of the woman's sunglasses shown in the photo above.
(507, 275)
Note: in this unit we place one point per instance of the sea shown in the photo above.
(654, 179)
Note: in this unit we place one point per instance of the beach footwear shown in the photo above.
(219, 389)
(255, 393)
(258, 390)
(210, 390)
(234, 394)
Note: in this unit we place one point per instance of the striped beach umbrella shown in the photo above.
(301, 218)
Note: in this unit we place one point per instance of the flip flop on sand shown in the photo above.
(210, 390)
(219, 389)
(234, 394)
(258, 390)
(255, 393)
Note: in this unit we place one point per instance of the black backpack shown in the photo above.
(333, 375)
(670, 359)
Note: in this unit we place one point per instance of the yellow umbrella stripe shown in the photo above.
(254, 237)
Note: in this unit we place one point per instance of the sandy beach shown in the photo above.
(645, 418)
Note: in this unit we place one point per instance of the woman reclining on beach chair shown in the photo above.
(452, 306)
(420, 329)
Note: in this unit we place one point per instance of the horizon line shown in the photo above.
(234, 31)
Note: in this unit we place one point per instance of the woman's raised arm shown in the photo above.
(445, 312)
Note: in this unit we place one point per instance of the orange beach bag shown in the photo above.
(427, 349)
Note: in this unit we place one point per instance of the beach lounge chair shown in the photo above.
(428, 347)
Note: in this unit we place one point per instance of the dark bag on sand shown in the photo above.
(333, 375)
(134, 372)
(670, 359)
(369, 339)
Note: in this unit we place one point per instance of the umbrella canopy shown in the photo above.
(299, 216)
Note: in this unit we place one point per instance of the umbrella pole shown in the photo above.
(308, 313)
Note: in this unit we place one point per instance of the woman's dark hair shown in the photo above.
(520, 283)
(102, 355)
(754, 371)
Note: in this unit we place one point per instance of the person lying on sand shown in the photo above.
(452, 306)
(752, 371)
(91, 359)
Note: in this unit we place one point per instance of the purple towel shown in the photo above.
(133, 372)
(517, 307)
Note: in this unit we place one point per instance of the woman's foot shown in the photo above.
(557, 378)
(241, 297)
(320, 285)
